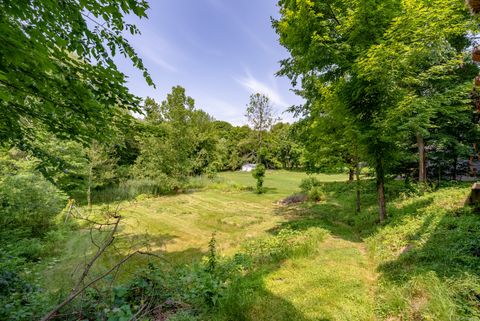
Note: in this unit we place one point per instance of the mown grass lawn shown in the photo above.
(421, 264)
(179, 226)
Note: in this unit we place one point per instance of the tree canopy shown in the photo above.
(379, 60)
(57, 70)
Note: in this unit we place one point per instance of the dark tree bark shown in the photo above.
(351, 174)
(380, 176)
(455, 166)
(358, 200)
(422, 160)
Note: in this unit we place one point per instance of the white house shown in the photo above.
(248, 167)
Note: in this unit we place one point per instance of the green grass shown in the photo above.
(421, 264)
(178, 227)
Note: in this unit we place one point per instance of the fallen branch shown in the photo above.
(77, 292)
(80, 286)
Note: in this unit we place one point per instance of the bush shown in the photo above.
(308, 183)
(313, 188)
(286, 243)
(259, 174)
(316, 194)
(20, 299)
(30, 202)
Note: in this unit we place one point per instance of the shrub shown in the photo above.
(284, 244)
(308, 183)
(30, 202)
(316, 194)
(313, 188)
(20, 299)
(259, 174)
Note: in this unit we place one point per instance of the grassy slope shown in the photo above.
(179, 227)
(426, 256)
(422, 264)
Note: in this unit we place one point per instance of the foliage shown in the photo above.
(57, 72)
(313, 188)
(259, 174)
(366, 72)
(178, 141)
(131, 189)
(29, 202)
(20, 299)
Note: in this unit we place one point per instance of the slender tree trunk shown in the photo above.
(422, 164)
(382, 211)
(89, 189)
(358, 200)
(455, 165)
(260, 141)
(351, 174)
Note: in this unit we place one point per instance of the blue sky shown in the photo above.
(221, 51)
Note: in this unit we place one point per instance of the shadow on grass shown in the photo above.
(446, 243)
(451, 250)
(249, 300)
(336, 212)
(156, 245)
(248, 297)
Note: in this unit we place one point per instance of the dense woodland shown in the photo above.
(391, 108)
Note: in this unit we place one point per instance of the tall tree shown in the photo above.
(424, 51)
(261, 117)
(372, 55)
(325, 39)
(178, 139)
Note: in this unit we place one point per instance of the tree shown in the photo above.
(371, 55)
(101, 170)
(260, 115)
(325, 39)
(178, 140)
(57, 71)
(430, 73)
(285, 149)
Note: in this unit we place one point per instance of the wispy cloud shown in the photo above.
(253, 85)
(155, 57)
(220, 6)
(159, 51)
(224, 110)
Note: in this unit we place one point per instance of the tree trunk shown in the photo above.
(351, 173)
(422, 163)
(357, 174)
(382, 211)
(455, 165)
(89, 189)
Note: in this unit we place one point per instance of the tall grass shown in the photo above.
(131, 189)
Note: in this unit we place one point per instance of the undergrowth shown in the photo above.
(204, 290)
